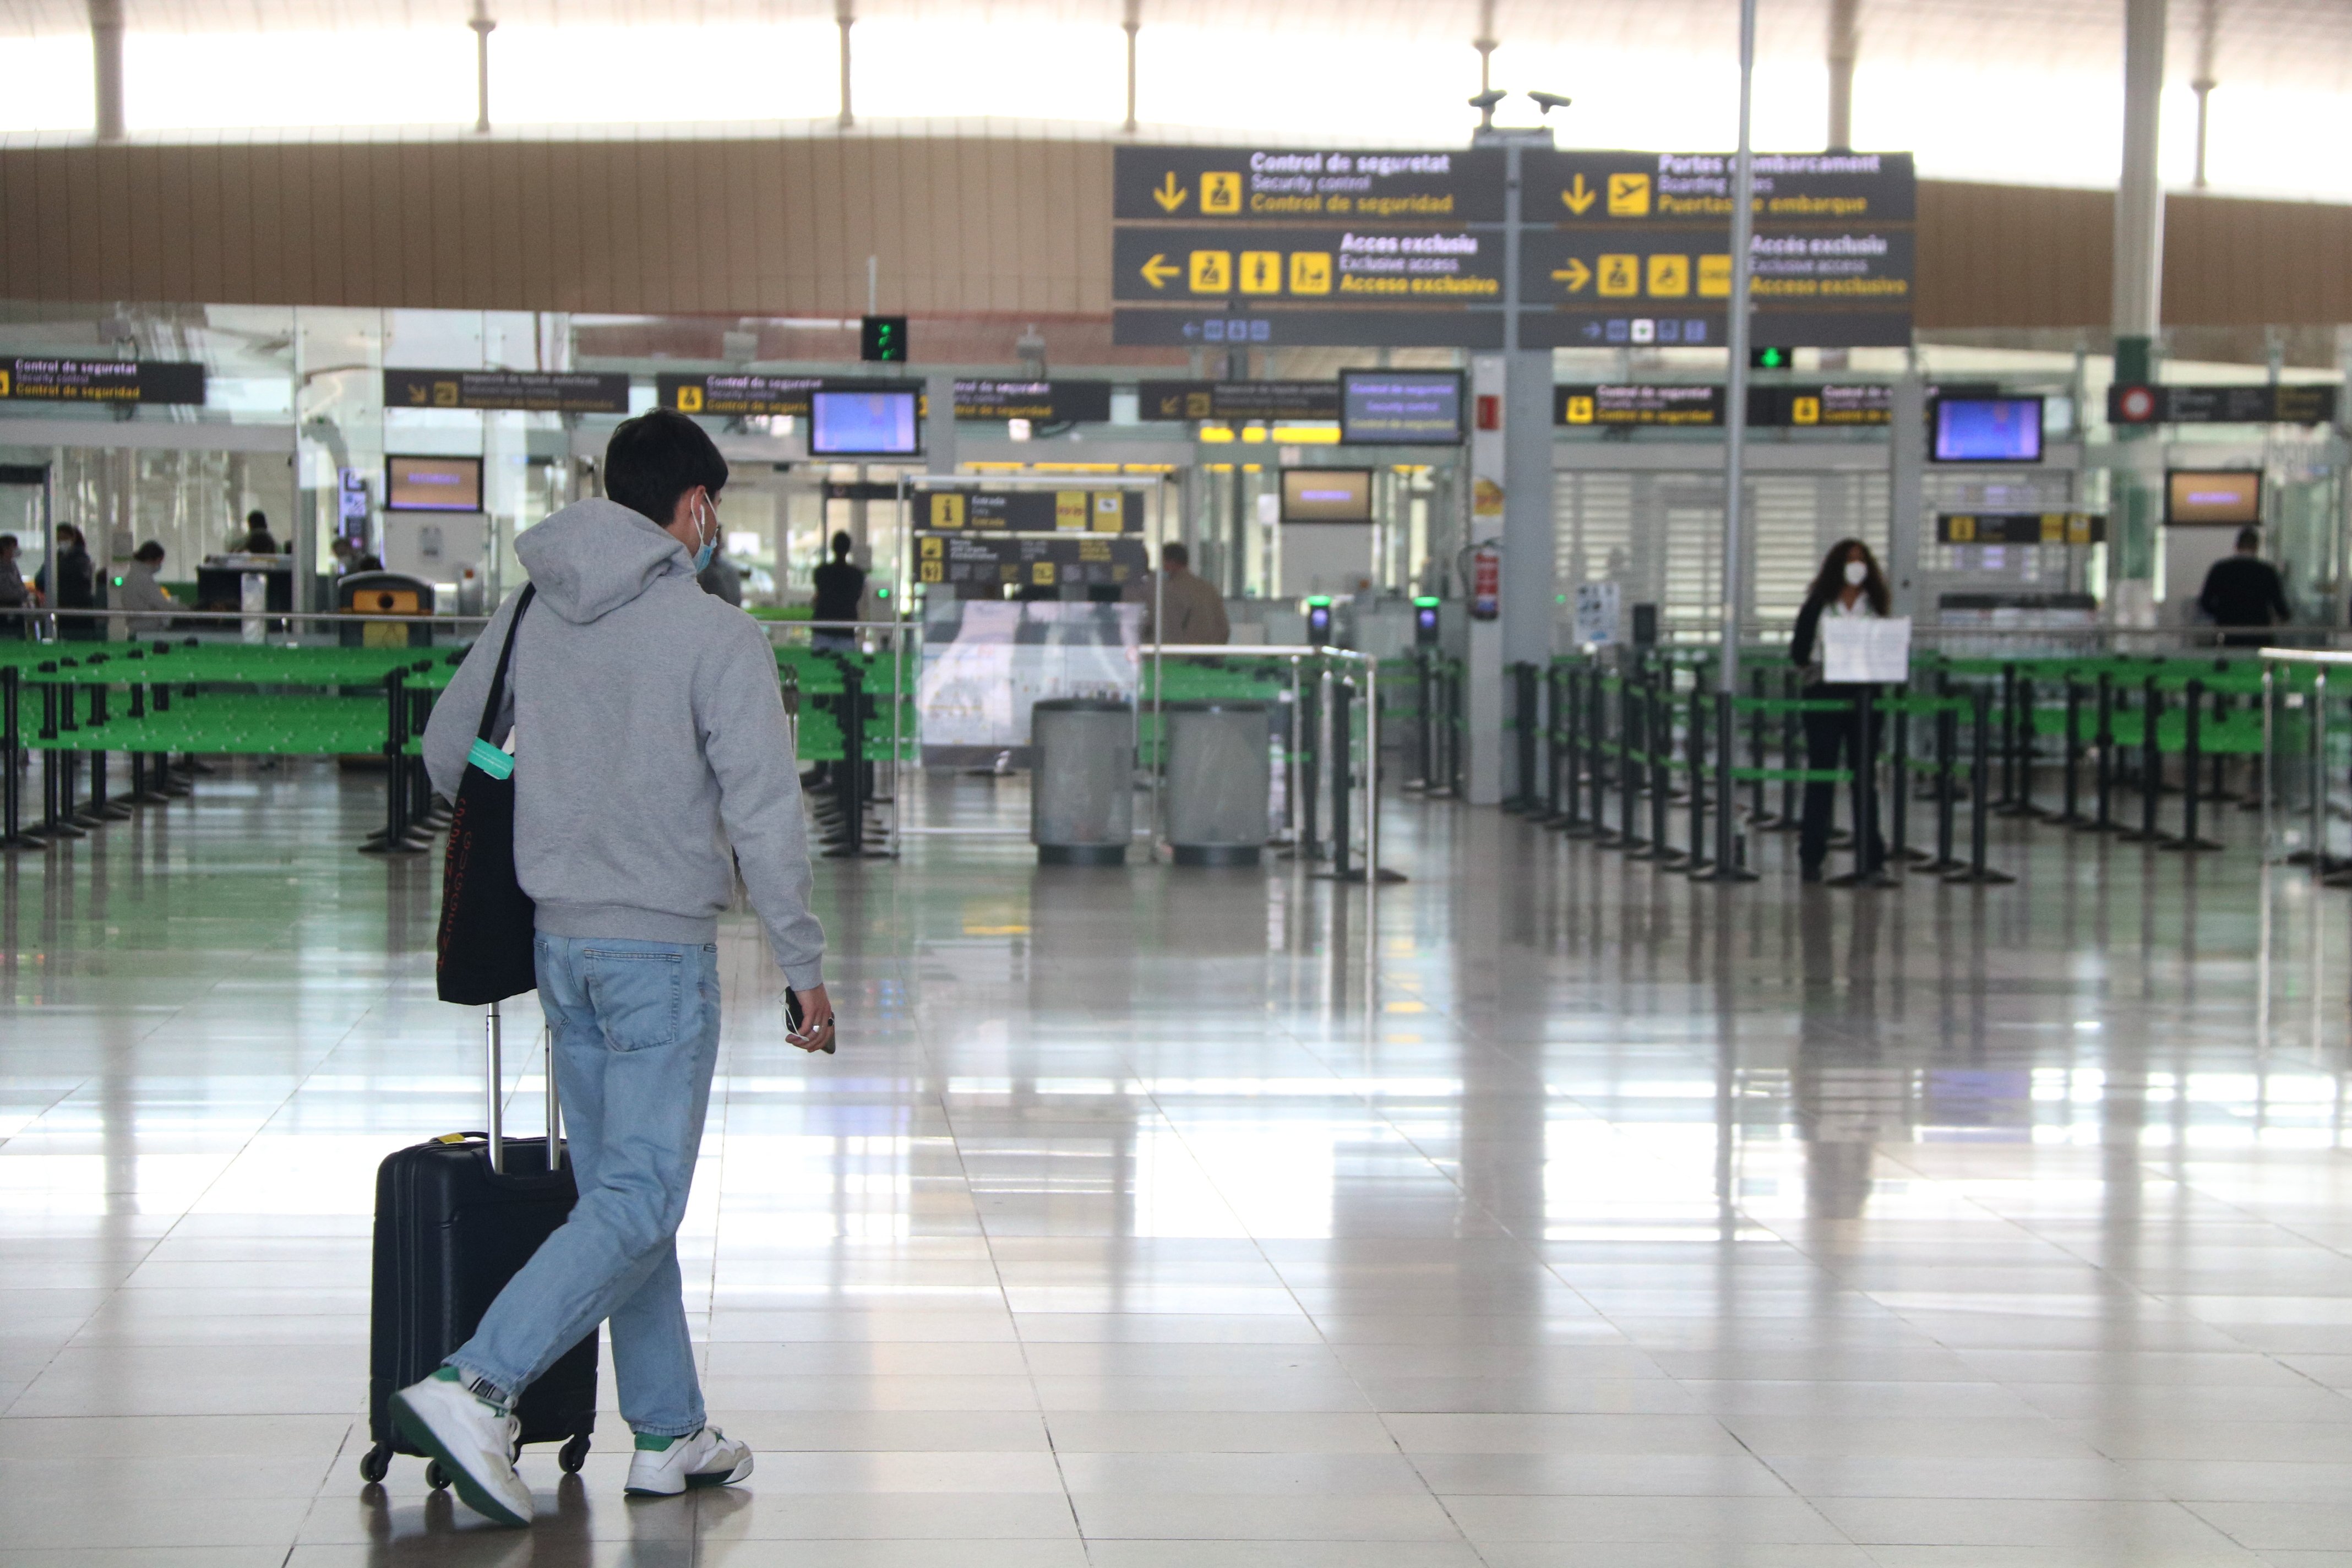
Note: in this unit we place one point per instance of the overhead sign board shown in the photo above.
(1637, 403)
(734, 396)
(1600, 188)
(30, 379)
(1280, 184)
(2021, 528)
(992, 561)
(1046, 402)
(1031, 511)
(1843, 286)
(1401, 407)
(538, 392)
(1183, 400)
(2284, 404)
(1769, 407)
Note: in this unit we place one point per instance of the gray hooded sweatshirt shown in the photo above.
(649, 739)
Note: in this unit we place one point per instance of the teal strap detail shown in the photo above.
(489, 759)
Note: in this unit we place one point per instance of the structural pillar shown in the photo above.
(1133, 25)
(483, 27)
(844, 12)
(106, 59)
(1906, 490)
(2139, 297)
(1845, 44)
(1484, 741)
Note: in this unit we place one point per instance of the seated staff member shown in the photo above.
(1849, 586)
(142, 592)
(16, 596)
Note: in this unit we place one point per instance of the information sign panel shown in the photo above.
(1610, 187)
(736, 396)
(1027, 510)
(30, 379)
(538, 392)
(985, 560)
(1400, 408)
(2021, 528)
(1046, 402)
(2285, 404)
(1637, 404)
(1271, 184)
(1842, 287)
(1178, 400)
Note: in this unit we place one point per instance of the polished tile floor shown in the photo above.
(1636, 1225)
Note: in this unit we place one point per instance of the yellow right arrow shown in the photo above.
(1578, 195)
(1576, 274)
(1157, 271)
(1169, 195)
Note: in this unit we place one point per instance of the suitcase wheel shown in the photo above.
(376, 1463)
(575, 1454)
(435, 1477)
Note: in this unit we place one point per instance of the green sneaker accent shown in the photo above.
(649, 1443)
(446, 1373)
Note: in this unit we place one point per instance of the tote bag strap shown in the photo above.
(506, 654)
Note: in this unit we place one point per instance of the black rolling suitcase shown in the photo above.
(455, 1219)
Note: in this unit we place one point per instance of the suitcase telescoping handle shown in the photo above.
(493, 1083)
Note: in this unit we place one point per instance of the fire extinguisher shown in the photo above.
(1486, 582)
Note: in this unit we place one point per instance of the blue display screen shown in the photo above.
(862, 423)
(1988, 430)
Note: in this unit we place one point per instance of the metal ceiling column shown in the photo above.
(483, 27)
(106, 59)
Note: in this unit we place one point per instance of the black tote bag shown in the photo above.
(485, 947)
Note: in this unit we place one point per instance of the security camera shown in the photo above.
(1547, 101)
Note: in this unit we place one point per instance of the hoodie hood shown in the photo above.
(595, 556)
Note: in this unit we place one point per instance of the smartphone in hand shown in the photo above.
(795, 1019)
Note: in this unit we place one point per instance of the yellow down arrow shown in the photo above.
(1169, 195)
(1579, 197)
(1157, 271)
(1576, 274)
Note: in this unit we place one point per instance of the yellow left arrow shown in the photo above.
(1157, 271)
(1576, 275)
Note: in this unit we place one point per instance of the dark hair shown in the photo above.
(656, 457)
(7, 542)
(150, 551)
(841, 544)
(257, 517)
(2250, 539)
(1831, 581)
(1172, 554)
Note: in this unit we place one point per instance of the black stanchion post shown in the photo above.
(1947, 741)
(2104, 780)
(1427, 726)
(1696, 861)
(1793, 754)
(1979, 787)
(1630, 729)
(1572, 819)
(1554, 684)
(2151, 767)
(57, 780)
(1898, 786)
(849, 784)
(2072, 816)
(1310, 770)
(1339, 770)
(1756, 724)
(2191, 754)
(1658, 760)
(2007, 803)
(13, 835)
(1523, 723)
(1731, 850)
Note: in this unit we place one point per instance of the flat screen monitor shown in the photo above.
(432, 484)
(1400, 408)
(1988, 430)
(2213, 497)
(862, 424)
(1327, 495)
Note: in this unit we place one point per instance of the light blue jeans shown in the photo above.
(635, 1031)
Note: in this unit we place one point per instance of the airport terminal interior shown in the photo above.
(1578, 790)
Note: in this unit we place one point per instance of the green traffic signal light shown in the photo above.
(1771, 359)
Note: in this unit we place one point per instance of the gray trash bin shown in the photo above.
(1082, 781)
(1218, 781)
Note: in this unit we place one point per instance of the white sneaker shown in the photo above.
(474, 1441)
(708, 1458)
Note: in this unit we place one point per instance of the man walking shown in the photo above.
(646, 723)
(1195, 610)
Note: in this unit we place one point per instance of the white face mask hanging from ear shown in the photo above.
(1856, 572)
(708, 519)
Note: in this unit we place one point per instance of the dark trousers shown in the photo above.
(1828, 738)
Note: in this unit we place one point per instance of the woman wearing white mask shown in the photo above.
(1849, 585)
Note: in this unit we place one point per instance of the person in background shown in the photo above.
(142, 592)
(840, 591)
(722, 579)
(2244, 590)
(16, 596)
(351, 560)
(1849, 586)
(69, 579)
(1195, 610)
(258, 540)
